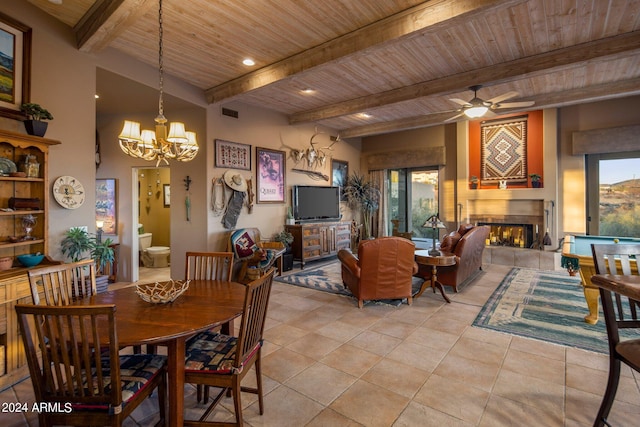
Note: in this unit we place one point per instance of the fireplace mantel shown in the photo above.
(518, 211)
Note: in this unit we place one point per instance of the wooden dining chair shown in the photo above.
(620, 313)
(219, 360)
(61, 284)
(208, 265)
(88, 385)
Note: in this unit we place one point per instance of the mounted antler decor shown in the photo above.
(313, 156)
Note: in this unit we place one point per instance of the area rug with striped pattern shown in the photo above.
(545, 305)
(327, 277)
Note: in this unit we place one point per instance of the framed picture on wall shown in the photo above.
(15, 47)
(339, 176)
(166, 193)
(270, 183)
(232, 155)
(107, 204)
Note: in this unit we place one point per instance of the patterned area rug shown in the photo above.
(328, 278)
(544, 305)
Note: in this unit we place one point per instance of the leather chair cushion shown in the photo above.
(450, 241)
(464, 228)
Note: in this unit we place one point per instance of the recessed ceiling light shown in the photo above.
(55, 1)
(364, 115)
(248, 62)
(97, 96)
(308, 90)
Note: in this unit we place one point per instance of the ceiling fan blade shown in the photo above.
(460, 101)
(514, 104)
(454, 117)
(489, 114)
(502, 97)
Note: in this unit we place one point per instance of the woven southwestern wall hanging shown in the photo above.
(504, 150)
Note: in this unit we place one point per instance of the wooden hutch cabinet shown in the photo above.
(30, 197)
(318, 240)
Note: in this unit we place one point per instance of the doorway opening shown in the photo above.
(151, 237)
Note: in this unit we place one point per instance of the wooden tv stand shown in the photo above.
(313, 241)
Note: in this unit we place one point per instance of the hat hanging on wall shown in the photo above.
(235, 181)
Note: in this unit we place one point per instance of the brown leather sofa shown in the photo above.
(467, 243)
(383, 269)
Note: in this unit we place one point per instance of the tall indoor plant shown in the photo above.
(364, 195)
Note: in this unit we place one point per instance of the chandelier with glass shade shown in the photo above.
(178, 144)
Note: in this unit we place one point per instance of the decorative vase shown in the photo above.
(474, 185)
(536, 184)
(36, 127)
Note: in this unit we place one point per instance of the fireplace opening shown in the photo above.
(514, 235)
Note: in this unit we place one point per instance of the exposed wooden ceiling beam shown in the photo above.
(106, 20)
(575, 96)
(500, 73)
(418, 18)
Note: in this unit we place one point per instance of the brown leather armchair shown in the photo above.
(383, 269)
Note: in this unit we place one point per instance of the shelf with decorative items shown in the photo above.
(24, 202)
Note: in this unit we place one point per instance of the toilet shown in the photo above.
(152, 256)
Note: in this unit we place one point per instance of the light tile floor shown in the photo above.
(327, 363)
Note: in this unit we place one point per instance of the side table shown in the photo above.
(442, 259)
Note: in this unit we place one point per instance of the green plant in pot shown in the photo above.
(285, 238)
(473, 181)
(78, 243)
(35, 124)
(102, 253)
(535, 180)
(364, 195)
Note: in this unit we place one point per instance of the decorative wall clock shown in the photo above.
(68, 192)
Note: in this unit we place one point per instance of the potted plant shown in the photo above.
(35, 124)
(363, 194)
(285, 238)
(290, 219)
(535, 180)
(77, 243)
(474, 182)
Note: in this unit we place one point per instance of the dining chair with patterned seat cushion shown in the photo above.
(219, 360)
(621, 315)
(209, 266)
(91, 386)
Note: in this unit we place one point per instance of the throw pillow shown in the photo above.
(244, 245)
(450, 241)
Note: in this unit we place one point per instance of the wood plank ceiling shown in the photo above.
(398, 61)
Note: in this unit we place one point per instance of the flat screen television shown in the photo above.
(315, 203)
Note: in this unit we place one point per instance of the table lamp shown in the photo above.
(434, 222)
(99, 225)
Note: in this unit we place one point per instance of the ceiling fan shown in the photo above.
(478, 107)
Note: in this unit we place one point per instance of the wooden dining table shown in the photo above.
(205, 304)
(628, 285)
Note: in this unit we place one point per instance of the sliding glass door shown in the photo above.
(413, 197)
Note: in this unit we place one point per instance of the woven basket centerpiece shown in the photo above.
(162, 292)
